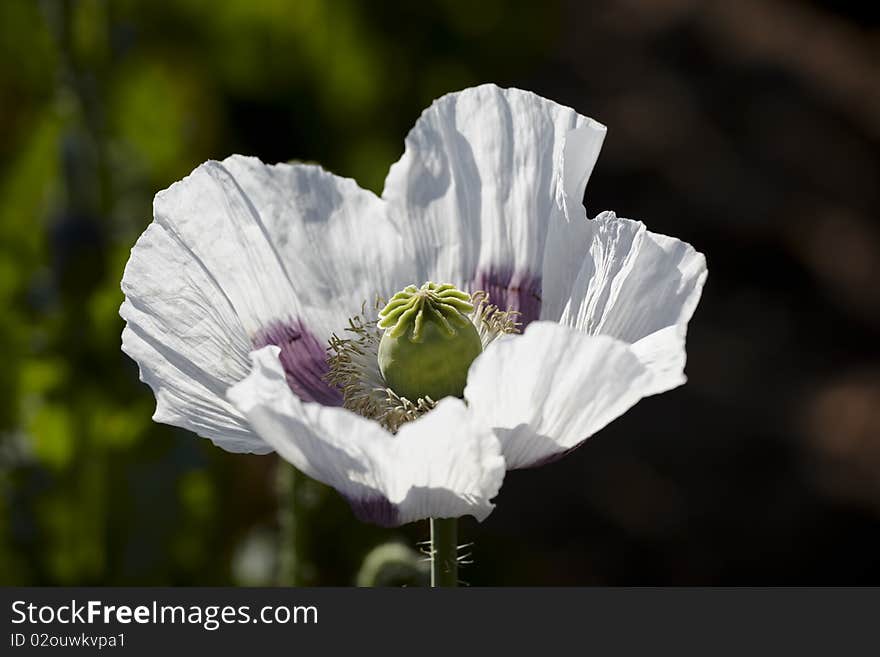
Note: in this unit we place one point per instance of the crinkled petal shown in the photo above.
(544, 392)
(241, 255)
(486, 187)
(633, 282)
(209, 213)
(333, 239)
(187, 339)
(438, 466)
(639, 287)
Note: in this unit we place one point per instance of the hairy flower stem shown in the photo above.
(288, 543)
(444, 552)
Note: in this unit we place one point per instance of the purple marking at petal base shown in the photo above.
(511, 290)
(304, 360)
(377, 510)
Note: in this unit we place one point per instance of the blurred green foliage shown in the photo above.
(103, 103)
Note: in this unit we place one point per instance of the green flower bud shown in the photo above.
(429, 343)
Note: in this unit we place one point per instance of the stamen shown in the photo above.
(353, 361)
(490, 320)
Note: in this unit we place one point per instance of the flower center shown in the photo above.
(429, 342)
(353, 361)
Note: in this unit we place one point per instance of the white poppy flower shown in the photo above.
(249, 272)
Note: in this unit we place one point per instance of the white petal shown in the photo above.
(546, 391)
(334, 239)
(488, 174)
(639, 287)
(187, 339)
(211, 216)
(634, 282)
(242, 254)
(437, 466)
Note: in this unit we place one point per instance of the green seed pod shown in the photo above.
(429, 343)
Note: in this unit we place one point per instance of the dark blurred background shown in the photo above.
(750, 129)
